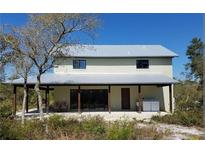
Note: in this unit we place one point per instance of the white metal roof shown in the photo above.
(118, 51)
(74, 79)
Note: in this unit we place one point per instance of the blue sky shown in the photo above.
(173, 31)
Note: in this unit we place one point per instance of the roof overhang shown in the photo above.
(98, 79)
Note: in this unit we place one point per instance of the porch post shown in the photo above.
(47, 109)
(109, 102)
(27, 89)
(14, 100)
(139, 98)
(79, 103)
(46, 99)
(170, 97)
(37, 103)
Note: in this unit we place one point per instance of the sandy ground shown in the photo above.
(177, 132)
(115, 115)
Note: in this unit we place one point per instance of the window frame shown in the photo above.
(79, 66)
(142, 64)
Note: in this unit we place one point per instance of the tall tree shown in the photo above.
(45, 35)
(196, 59)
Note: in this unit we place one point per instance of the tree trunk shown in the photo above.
(24, 101)
(38, 92)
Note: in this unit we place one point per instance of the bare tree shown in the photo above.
(5, 54)
(23, 66)
(45, 35)
(20, 61)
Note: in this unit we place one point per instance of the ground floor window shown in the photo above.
(96, 99)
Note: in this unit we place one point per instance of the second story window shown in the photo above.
(142, 64)
(79, 64)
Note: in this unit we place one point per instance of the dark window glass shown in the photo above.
(90, 99)
(79, 64)
(73, 99)
(142, 64)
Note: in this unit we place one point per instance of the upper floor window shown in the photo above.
(79, 64)
(142, 64)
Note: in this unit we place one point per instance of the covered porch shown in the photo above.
(112, 92)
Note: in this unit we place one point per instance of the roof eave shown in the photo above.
(118, 56)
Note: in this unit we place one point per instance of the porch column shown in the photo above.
(79, 103)
(27, 98)
(37, 103)
(109, 102)
(170, 97)
(46, 99)
(139, 98)
(14, 100)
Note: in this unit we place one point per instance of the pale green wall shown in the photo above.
(118, 66)
(62, 93)
(114, 65)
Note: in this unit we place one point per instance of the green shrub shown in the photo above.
(34, 130)
(189, 118)
(56, 127)
(95, 126)
(5, 109)
(120, 130)
(56, 121)
(10, 129)
(188, 95)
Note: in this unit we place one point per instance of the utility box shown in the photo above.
(150, 105)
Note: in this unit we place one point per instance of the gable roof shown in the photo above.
(118, 51)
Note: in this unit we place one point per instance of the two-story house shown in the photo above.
(112, 78)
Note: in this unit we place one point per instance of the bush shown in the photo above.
(58, 107)
(188, 96)
(188, 118)
(9, 129)
(56, 121)
(95, 127)
(189, 106)
(56, 127)
(34, 130)
(120, 130)
(124, 130)
(13, 129)
(5, 109)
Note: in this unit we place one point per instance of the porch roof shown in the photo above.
(95, 79)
